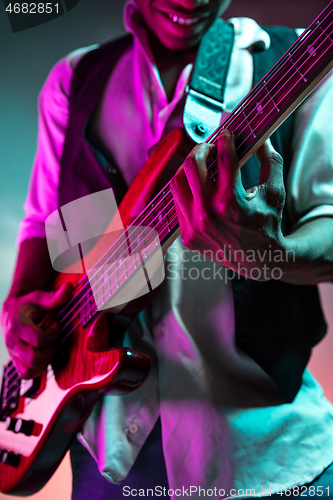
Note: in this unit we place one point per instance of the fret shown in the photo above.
(136, 236)
(237, 125)
(114, 277)
(85, 311)
(144, 246)
(107, 281)
(310, 49)
(154, 215)
(125, 260)
(160, 217)
(323, 30)
(243, 141)
(149, 216)
(296, 67)
(121, 272)
(166, 212)
(81, 302)
(100, 286)
(160, 212)
(172, 215)
(89, 307)
(94, 306)
(114, 283)
(248, 121)
(153, 223)
(137, 257)
(286, 86)
(96, 289)
(104, 285)
(261, 108)
(270, 96)
(134, 260)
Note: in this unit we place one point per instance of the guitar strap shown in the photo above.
(205, 99)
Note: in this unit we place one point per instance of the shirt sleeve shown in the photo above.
(310, 180)
(53, 117)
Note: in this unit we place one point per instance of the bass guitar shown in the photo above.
(39, 418)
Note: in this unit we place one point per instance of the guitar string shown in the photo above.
(214, 138)
(215, 133)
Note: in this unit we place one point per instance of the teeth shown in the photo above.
(182, 20)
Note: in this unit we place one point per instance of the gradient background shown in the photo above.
(25, 59)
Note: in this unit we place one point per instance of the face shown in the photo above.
(180, 24)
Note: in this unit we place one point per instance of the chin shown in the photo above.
(181, 43)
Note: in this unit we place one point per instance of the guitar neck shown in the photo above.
(283, 88)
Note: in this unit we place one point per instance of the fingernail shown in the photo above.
(270, 145)
(228, 134)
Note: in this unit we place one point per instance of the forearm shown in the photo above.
(30, 345)
(33, 269)
(309, 256)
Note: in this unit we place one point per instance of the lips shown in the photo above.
(180, 28)
(184, 21)
(184, 18)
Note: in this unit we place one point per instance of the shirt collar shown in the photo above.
(248, 33)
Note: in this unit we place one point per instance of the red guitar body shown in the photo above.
(65, 396)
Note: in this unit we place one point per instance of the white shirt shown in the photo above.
(224, 422)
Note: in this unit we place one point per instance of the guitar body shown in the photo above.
(92, 360)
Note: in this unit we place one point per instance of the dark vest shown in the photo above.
(276, 323)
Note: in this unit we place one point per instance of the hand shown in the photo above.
(241, 228)
(32, 347)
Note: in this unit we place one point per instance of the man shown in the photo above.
(208, 416)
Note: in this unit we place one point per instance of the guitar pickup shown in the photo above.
(10, 458)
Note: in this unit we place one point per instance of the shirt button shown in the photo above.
(112, 171)
(133, 428)
(162, 328)
(153, 88)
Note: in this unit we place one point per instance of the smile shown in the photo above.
(184, 21)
